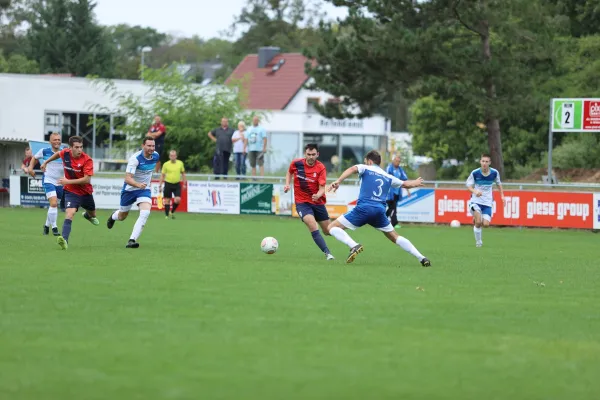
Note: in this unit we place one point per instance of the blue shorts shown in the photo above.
(319, 211)
(53, 190)
(486, 211)
(75, 201)
(365, 215)
(131, 197)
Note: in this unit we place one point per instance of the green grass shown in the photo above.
(198, 312)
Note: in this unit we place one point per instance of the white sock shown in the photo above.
(409, 247)
(139, 224)
(115, 216)
(342, 236)
(477, 232)
(52, 217)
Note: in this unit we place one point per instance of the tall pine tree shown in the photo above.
(65, 38)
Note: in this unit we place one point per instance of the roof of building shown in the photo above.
(272, 87)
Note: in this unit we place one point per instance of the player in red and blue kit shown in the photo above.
(370, 208)
(310, 178)
(79, 169)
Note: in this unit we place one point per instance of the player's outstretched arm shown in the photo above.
(413, 183)
(53, 157)
(350, 171)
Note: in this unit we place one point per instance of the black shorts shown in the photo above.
(319, 211)
(73, 200)
(172, 190)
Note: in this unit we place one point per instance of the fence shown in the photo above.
(527, 205)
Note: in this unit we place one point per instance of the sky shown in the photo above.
(205, 18)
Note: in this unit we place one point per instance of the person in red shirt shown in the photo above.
(310, 177)
(79, 168)
(26, 160)
(158, 131)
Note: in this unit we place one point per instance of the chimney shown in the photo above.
(266, 54)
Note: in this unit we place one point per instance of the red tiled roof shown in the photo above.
(268, 90)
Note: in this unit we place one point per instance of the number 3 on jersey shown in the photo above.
(376, 194)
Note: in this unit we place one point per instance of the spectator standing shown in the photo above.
(256, 144)
(239, 149)
(158, 131)
(395, 194)
(222, 137)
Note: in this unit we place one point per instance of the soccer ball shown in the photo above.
(269, 245)
(455, 224)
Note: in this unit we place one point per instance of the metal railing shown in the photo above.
(584, 187)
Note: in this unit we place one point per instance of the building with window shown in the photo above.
(274, 84)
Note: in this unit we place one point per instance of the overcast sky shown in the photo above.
(205, 18)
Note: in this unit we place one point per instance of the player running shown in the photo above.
(54, 172)
(370, 208)
(79, 169)
(172, 173)
(136, 190)
(480, 183)
(310, 177)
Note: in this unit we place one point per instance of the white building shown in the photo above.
(274, 84)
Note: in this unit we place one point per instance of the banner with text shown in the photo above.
(257, 198)
(32, 192)
(530, 209)
(213, 197)
(418, 207)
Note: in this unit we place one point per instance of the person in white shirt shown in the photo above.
(239, 149)
(480, 183)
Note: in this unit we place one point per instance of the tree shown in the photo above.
(188, 111)
(17, 64)
(128, 42)
(64, 38)
(288, 24)
(478, 53)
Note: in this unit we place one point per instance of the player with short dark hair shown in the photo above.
(370, 208)
(310, 177)
(136, 190)
(480, 183)
(79, 169)
(172, 173)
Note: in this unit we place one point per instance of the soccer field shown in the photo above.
(198, 312)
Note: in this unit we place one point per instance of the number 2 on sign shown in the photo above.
(567, 115)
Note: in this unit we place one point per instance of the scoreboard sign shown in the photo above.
(576, 115)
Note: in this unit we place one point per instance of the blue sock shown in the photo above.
(66, 229)
(316, 235)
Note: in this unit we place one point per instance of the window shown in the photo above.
(311, 103)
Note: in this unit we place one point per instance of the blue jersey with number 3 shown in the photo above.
(375, 185)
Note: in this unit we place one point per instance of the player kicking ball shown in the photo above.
(136, 190)
(79, 169)
(480, 183)
(310, 177)
(371, 206)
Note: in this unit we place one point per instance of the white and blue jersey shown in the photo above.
(54, 171)
(370, 208)
(142, 169)
(483, 183)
